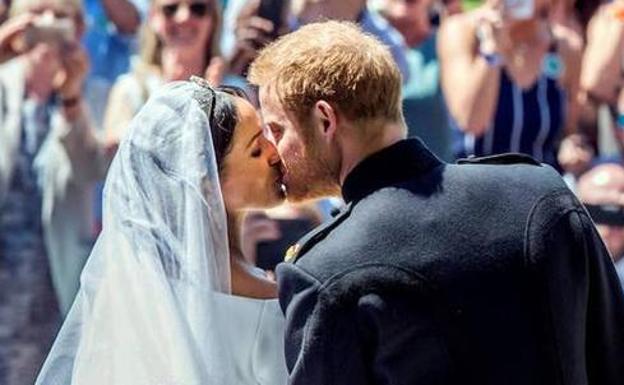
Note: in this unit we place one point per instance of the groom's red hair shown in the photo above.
(336, 62)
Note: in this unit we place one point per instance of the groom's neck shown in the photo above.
(356, 147)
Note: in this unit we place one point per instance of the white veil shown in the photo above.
(145, 312)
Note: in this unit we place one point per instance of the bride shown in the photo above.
(166, 297)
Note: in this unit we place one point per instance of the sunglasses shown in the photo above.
(196, 9)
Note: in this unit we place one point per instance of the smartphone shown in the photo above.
(57, 31)
(435, 17)
(273, 10)
(519, 9)
(270, 253)
(610, 215)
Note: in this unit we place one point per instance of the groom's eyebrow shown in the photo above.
(253, 138)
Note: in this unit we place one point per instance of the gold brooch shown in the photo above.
(291, 253)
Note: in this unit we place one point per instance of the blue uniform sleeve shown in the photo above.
(351, 330)
(579, 290)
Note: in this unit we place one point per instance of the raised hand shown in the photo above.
(9, 30)
(75, 67)
(252, 33)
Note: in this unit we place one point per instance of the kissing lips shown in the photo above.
(280, 183)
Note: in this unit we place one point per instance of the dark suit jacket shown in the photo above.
(488, 272)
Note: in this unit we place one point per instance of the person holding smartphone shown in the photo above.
(510, 78)
(49, 159)
(252, 25)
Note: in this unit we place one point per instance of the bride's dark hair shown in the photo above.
(218, 104)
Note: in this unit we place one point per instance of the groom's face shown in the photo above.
(306, 162)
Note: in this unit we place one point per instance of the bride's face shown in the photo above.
(250, 176)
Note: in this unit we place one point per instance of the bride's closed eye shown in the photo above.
(256, 152)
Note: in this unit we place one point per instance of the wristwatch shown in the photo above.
(70, 102)
(494, 60)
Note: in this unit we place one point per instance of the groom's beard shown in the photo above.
(310, 174)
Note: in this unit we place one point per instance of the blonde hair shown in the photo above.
(151, 46)
(336, 62)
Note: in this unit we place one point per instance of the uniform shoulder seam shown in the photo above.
(337, 277)
(552, 221)
(308, 273)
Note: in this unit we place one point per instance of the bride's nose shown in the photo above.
(271, 152)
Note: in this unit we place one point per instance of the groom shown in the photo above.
(485, 272)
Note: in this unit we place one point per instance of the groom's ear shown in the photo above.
(326, 119)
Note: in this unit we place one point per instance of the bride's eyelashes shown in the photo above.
(256, 153)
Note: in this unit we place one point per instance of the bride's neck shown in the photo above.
(245, 282)
(235, 223)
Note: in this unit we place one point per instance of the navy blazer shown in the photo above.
(488, 272)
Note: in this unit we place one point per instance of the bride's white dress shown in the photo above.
(154, 306)
(255, 329)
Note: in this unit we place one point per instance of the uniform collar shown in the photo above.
(403, 160)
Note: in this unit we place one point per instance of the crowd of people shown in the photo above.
(479, 79)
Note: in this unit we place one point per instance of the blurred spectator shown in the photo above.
(602, 190)
(10, 32)
(602, 75)
(452, 7)
(308, 11)
(179, 39)
(109, 40)
(231, 11)
(267, 235)
(579, 149)
(48, 159)
(4, 10)
(423, 103)
(510, 79)
(575, 14)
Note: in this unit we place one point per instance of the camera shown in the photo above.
(51, 31)
(610, 215)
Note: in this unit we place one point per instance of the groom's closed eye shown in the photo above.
(273, 132)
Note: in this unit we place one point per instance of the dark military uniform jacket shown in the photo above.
(485, 273)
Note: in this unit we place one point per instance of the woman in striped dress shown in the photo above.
(510, 78)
